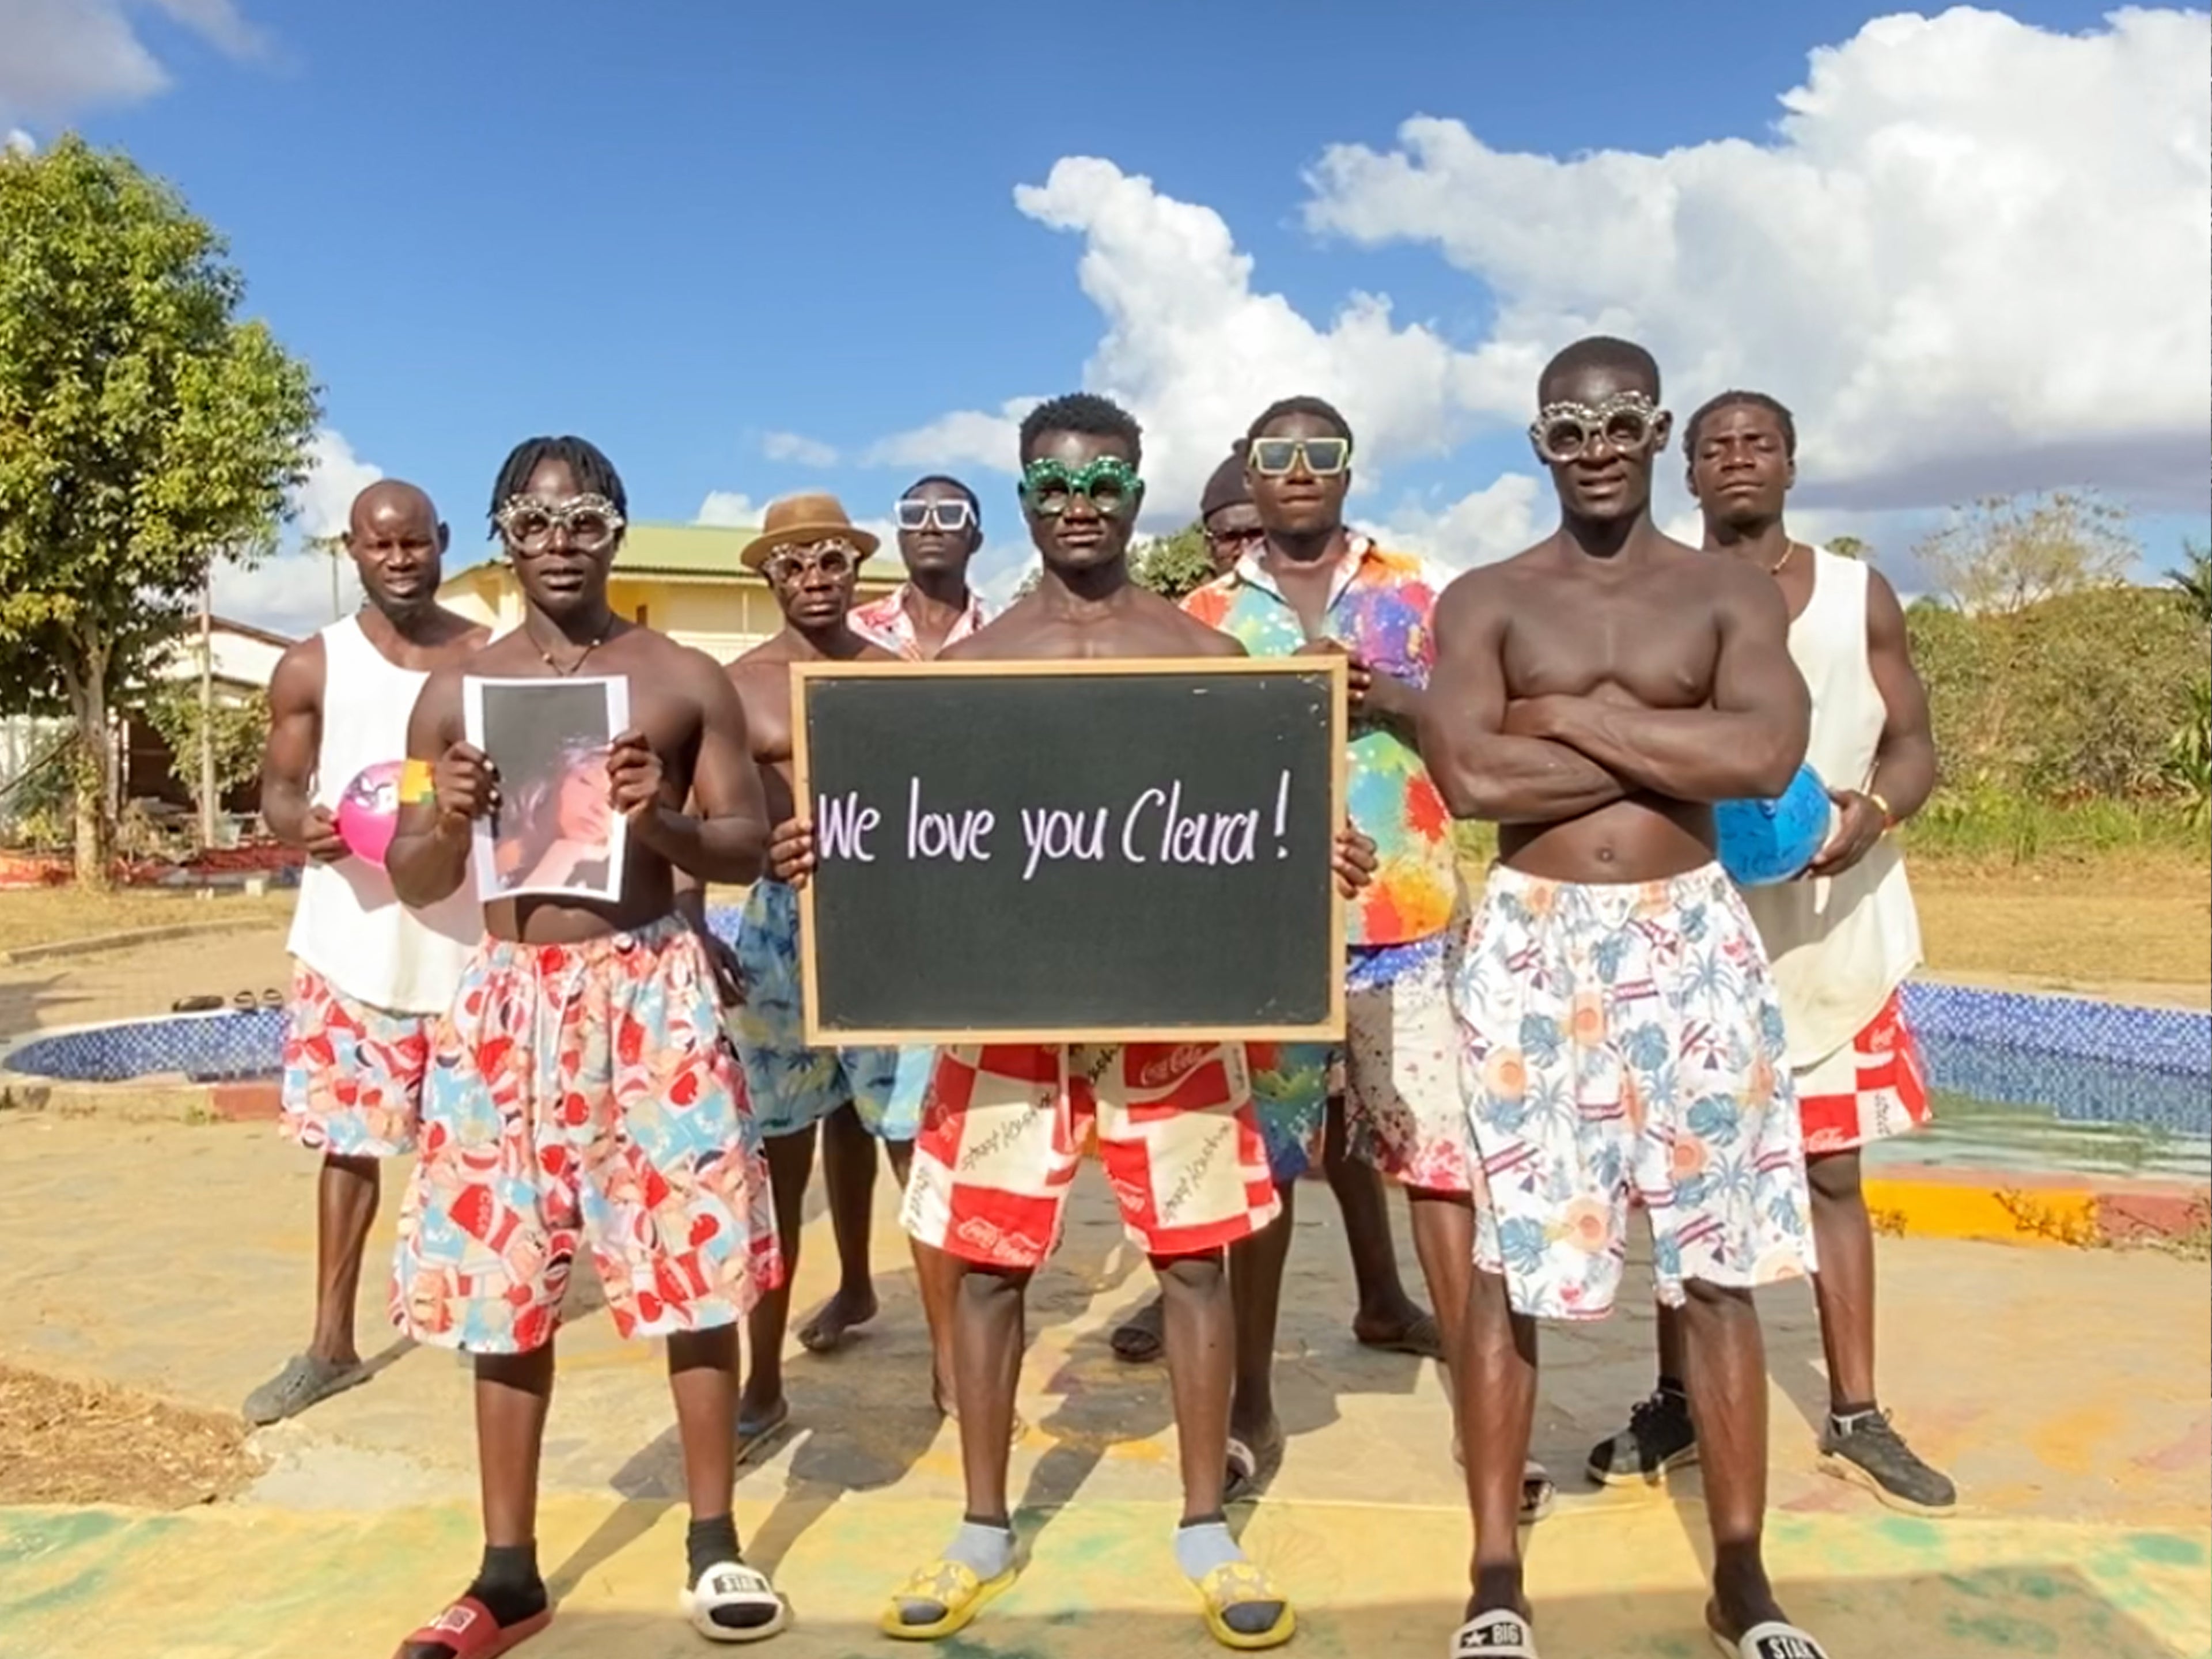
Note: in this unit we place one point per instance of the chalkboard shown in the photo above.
(1071, 852)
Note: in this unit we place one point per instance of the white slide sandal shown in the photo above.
(733, 1590)
(1771, 1640)
(1497, 1635)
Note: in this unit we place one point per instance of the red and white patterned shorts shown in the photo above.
(1005, 1126)
(353, 1074)
(1870, 1089)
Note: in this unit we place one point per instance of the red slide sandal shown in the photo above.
(468, 1630)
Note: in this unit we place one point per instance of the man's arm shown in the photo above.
(724, 837)
(1904, 762)
(1905, 769)
(1747, 742)
(287, 761)
(1481, 772)
(429, 858)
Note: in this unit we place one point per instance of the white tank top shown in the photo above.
(1839, 947)
(351, 926)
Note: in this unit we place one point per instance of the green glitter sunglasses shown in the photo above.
(1109, 483)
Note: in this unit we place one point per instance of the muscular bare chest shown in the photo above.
(765, 690)
(1636, 641)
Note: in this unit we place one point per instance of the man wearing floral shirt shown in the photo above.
(1314, 586)
(940, 527)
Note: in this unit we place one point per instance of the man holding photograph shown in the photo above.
(581, 1092)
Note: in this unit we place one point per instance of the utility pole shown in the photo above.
(208, 803)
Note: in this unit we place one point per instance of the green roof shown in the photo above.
(682, 549)
(700, 552)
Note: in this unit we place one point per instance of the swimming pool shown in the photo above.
(2035, 1084)
(2040, 1084)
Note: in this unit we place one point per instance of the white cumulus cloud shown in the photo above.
(1494, 522)
(337, 474)
(1971, 256)
(966, 437)
(799, 449)
(292, 592)
(728, 507)
(60, 55)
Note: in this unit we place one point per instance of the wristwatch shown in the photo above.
(1888, 817)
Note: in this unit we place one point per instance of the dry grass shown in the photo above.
(45, 915)
(2130, 922)
(65, 1443)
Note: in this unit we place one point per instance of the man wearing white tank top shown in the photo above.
(370, 975)
(1843, 940)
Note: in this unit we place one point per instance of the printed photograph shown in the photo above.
(555, 832)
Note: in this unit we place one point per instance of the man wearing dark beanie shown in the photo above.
(1231, 523)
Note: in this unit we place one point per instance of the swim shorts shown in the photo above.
(792, 1086)
(1625, 1042)
(1005, 1126)
(1871, 1089)
(582, 1094)
(353, 1074)
(1399, 1068)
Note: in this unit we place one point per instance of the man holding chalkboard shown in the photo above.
(1313, 586)
(810, 552)
(1594, 696)
(581, 1094)
(1003, 1125)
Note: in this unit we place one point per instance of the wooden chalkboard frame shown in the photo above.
(1334, 668)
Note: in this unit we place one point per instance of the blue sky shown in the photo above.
(754, 249)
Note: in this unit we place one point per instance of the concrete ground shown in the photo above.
(2065, 1388)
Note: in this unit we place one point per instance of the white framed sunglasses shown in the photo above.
(953, 514)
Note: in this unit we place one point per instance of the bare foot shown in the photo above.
(827, 1327)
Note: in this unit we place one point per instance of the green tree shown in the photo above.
(2192, 583)
(2006, 553)
(238, 731)
(1172, 566)
(1849, 547)
(145, 429)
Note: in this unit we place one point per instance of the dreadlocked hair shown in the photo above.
(1319, 408)
(595, 473)
(1599, 351)
(1740, 399)
(1088, 413)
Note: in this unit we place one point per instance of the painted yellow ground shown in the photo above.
(2065, 1388)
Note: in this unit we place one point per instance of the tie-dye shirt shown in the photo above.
(1381, 608)
(885, 622)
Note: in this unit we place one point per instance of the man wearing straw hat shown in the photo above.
(810, 552)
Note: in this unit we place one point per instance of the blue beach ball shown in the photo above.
(1765, 842)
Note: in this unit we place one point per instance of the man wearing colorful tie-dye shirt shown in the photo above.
(1314, 588)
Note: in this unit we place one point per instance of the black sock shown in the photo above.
(709, 1542)
(508, 1584)
(1673, 1385)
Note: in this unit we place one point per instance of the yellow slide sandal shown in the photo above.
(1240, 1584)
(951, 1585)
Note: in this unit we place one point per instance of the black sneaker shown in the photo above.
(1659, 1437)
(1867, 1451)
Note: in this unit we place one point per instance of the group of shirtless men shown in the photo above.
(1606, 1030)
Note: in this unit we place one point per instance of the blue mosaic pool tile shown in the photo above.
(2171, 1039)
(2074, 1088)
(224, 1047)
